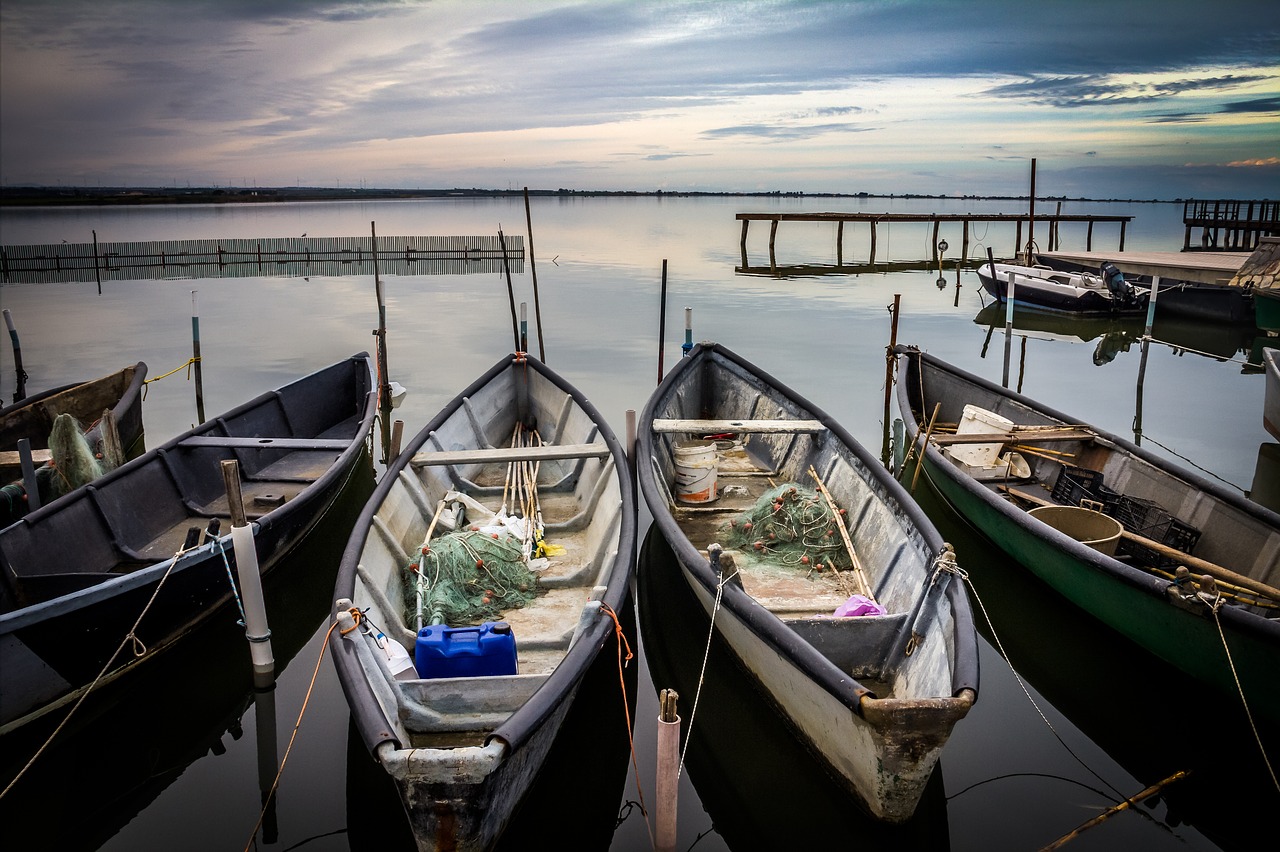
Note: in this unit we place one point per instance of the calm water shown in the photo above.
(1010, 779)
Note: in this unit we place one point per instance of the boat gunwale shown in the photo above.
(368, 714)
(764, 624)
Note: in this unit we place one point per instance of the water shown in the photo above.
(1010, 778)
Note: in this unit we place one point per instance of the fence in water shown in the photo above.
(294, 257)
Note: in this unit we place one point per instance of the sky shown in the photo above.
(1145, 100)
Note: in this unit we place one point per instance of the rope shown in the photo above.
(626, 707)
(186, 365)
(230, 579)
(129, 638)
(706, 653)
(1214, 605)
(266, 800)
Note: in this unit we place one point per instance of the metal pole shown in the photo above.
(688, 332)
(195, 358)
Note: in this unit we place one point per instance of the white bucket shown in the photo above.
(979, 421)
(696, 471)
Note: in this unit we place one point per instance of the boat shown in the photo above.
(1271, 392)
(1175, 562)
(1083, 293)
(146, 551)
(32, 418)
(482, 580)
(859, 632)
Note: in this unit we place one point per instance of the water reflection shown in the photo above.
(762, 789)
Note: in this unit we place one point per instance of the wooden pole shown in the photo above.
(662, 314)
(384, 380)
(924, 444)
(668, 771)
(533, 270)
(20, 392)
(1127, 803)
(1031, 223)
(888, 373)
(96, 273)
(196, 363)
(511, 295)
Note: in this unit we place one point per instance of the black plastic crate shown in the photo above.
(1159, 526)
(1075, 484)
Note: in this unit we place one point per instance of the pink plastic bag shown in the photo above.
(859, 605)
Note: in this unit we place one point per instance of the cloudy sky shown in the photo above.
(1115, 99)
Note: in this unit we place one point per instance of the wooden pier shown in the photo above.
(872, 220)
(296, 257)
(1229, 225)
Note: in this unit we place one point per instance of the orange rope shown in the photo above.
(324, 646)
(626, 706)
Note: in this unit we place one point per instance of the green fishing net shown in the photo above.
(791, 524)
(74, 463)
(468, 577)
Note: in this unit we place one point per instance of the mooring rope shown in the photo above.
(1214, 605)
(186, 365)
(129, 638)
(626, 706)
(706, 654)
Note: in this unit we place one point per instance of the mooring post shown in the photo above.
(524, 326)
(533, 270)
(1031, 223)
(662, 315)
(888, 373)
(195, 359)
(20, 392)
(840, 243)
(384, 379)
(511, 294)
(246, 553)
(668, 780)
(96, 274)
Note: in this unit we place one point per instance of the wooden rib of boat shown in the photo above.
(1175, 559)
(32, 418)
(463, 739)
(77, 573)
(873, 696)
(1080, 293)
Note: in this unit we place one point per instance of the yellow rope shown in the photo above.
(186, 365)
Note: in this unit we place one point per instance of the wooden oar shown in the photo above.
(924, 444)
(844, 533)
(1193, 563)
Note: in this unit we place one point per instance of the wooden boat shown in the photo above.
(874, 696)
(1271, 392)
(1081, 293)
(76, 574)
(463, 734)
(32, 418)
(1164, 556)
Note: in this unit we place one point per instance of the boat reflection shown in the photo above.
(762, 789)
(1147, 716)
(1220, 340)
(129, 741)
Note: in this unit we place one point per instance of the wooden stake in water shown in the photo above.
(20, 392)
(384, 379)
(668, 778)
(662, 319)
(246, 553)
(888, 373)
(97, 273)
(511, 295)
(533, 271)
(195, 359)
(1142, 362)
(524, 326)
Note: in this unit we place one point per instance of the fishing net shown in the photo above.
(793, 525)
(468, 577)
(73, 462)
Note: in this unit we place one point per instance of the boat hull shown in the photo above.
(1271, 393)
(64, 631)
(881, 744)
(1146, 608)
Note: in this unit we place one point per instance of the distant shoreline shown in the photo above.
(43, 196)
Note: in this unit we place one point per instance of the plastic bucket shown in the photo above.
(696, 471)
(1099, 531)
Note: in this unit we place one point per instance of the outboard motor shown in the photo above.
(1121, 290)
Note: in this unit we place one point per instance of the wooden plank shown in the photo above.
(500, 455)
(265, 443)
(1015, 437)
(12, 458)
(715, 427)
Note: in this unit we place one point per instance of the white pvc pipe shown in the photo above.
(255, 608)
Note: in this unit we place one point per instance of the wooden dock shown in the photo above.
(1229, 225)
(295, 257)
(873, 220)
